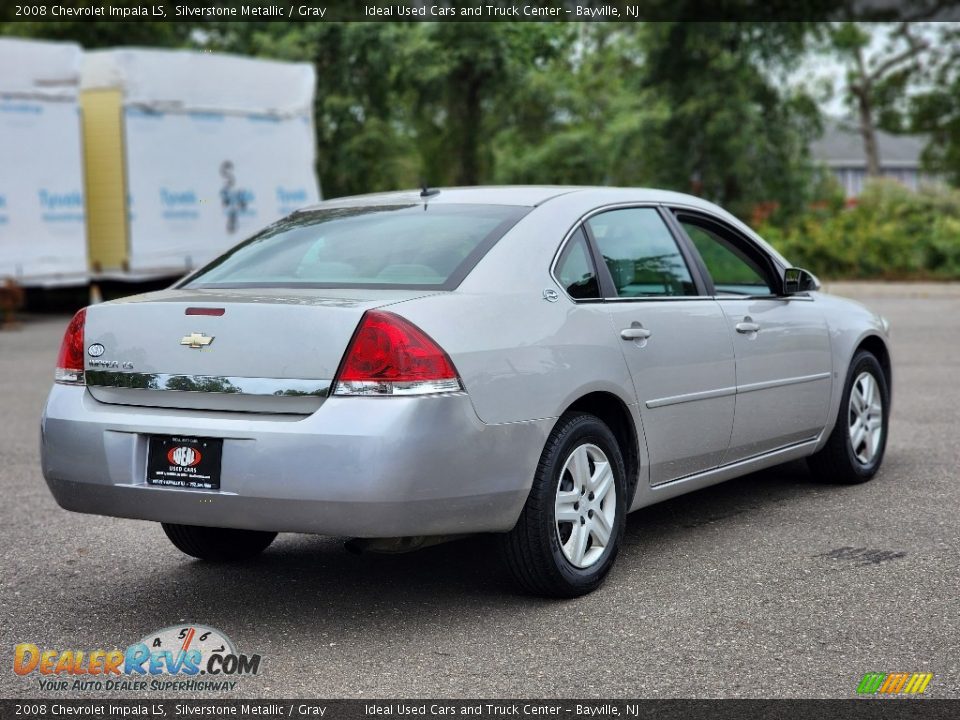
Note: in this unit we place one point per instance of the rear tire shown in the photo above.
(571, 527)
(855, 449)
(218, 544)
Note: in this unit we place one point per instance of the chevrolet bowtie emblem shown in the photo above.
(196, 340)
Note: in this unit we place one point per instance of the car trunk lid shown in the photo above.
(245, 350)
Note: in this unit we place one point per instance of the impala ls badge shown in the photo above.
(196, 340)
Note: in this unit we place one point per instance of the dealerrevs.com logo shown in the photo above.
(180, 657)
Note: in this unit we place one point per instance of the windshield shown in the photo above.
(396, 246)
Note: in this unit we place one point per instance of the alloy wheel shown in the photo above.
(865, 418)
(586, 505)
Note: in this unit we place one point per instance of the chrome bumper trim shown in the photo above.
(271, 387)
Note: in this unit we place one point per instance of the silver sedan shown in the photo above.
(534, 362)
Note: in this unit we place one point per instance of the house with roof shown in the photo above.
(841, 150)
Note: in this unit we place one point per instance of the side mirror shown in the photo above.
(798, 280)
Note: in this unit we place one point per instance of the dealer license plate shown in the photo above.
(184, 462)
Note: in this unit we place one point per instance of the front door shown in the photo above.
(782, 345)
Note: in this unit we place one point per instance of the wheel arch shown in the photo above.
(837, 459)
(877, 346)
(613, 411)
(872, 342)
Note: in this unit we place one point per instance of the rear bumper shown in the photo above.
(361, 467)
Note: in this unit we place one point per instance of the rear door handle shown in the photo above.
(747, 327)
(634, 333)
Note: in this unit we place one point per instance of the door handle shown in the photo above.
(634, 333)
(747, 327)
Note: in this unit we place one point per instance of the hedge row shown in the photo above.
(889, 233)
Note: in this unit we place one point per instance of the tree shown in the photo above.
(935, 111)
(582, 117)
(876, 80)
(728, 130)
(463, 81)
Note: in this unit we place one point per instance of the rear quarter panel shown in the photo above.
(521, 357)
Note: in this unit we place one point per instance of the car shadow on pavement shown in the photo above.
(304, 576)
(656, 524)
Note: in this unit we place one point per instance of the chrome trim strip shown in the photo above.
(657, 298)
(727, 391)
(781, 383)
(691, 397)
(738, 464)
(164, 382)
(779, 298)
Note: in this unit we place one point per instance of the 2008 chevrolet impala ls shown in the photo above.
(530, 361)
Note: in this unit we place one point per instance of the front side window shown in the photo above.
(575, 269)
(732, 270)
(409, 246)
(641, 254)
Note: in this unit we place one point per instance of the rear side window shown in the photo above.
(410, 246)
(641, 254)
(575, 269)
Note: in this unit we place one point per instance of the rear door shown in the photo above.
(674, 340)
(782, 345)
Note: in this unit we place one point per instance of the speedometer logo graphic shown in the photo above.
(184, 638)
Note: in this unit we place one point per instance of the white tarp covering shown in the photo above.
(42, 228)
(35, 68)
(201, 182)
(189, 80)
(217, 147)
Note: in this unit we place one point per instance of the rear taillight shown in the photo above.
(70, 360)
(391, 356)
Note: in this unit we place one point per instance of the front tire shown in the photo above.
(571, 527)
(218, 544)
(855, 449)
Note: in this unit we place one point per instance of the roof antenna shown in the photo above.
(426, 191)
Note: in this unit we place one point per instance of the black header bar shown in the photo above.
(478, 11)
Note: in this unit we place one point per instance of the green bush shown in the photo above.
(890, 233)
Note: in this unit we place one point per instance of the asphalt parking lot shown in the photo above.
(766, 586)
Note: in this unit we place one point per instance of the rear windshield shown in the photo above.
(410, 246)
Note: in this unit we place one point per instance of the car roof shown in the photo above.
(518, 195)
(536, 195)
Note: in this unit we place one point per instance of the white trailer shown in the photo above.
(42, 224)
(190, 152)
